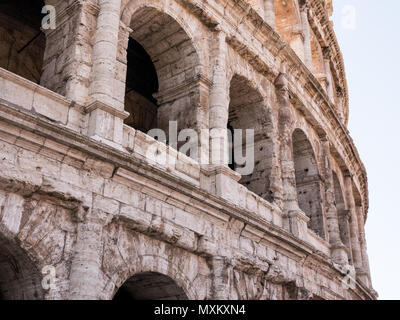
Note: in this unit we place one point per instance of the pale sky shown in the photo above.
(371, 50)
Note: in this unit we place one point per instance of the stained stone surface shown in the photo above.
(92, 207)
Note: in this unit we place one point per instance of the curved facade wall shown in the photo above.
(95, 204)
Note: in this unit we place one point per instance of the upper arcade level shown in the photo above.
(305, 25)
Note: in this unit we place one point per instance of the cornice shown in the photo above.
(328, 39)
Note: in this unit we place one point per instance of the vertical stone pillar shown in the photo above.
(339, 251)
(220, 273)
(327, 63)
(219, 101)
(269, 13)
(105, 108)
(355, 243)
(67, 63)
(340, 104)
(276, 173)
(344, 227)
(85, 280)
(295, 220)
(366, 276)
(305, 26)
(225, 178)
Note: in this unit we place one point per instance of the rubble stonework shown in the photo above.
(87, 210)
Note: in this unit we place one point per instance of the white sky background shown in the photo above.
(371, 48)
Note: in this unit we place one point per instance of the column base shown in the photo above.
(106, 123)
(340, 254)
(296, 223)
(226, 182)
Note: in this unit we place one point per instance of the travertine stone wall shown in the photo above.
(97, 208)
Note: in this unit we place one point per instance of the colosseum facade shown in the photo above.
(93, 207)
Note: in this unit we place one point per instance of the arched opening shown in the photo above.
(22, 43)
(150, 286)
(308, 182)
(288, 24)
(162, 69)
(247, 110)
(141, 84)
(343, 215)
(19, 278)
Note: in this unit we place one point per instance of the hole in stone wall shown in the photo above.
(22, 43)
(150, 286)
(308, 182)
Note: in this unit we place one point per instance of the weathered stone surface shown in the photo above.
(95, 208)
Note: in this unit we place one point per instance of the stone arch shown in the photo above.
(308, 182)
(169, 42)
(247, 110)
(19, 277)
(155, 264)
(22, 42)
(343, 214)
(127, 253)
(150, 286)
(288, 23)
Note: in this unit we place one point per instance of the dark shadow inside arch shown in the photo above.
(141, 84)
(22, 43)
(150, 286)
(308, 182)
(247, 111)
(162, 83)
(19, 278)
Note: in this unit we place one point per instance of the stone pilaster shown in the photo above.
(327, 63)
(219, 101)
(220, 281)
(305, 27)
(225, 178)
(85, 277)
(344, 226)
(366, 273)
(105, 107)
(269, 13)
(339, 252)
(355, 243)
(295, 220)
